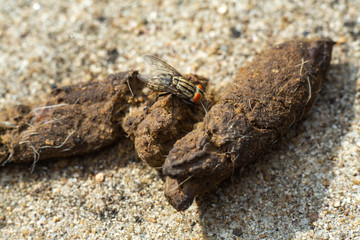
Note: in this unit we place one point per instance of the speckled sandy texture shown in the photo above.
(309, 188)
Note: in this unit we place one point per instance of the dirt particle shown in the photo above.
(237, 232)
(326, 182)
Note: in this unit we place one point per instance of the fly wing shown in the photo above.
(161, 79)
(159, 83)
(145, 78)
(161, 66)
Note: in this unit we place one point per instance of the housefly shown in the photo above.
(168, 80)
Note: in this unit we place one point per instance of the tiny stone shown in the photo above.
(56, 219)
(337, 204)
(99, 177)
(36, 6)
(326, 182)
(235, 33)
(356, 180)
(150, 219)
(53, 85)
(222, 9)
(305, 33)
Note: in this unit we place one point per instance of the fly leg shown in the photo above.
(128, 83)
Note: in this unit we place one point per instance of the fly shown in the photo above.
(168, 80)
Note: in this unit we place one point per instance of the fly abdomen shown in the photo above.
(157, 87)
(186, 88)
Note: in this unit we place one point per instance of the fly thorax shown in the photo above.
(167, 78)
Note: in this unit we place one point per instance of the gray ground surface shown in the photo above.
(306, 189)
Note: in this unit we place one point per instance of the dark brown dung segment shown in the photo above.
(9, 117)
(156, 129)
(268, 95)
(77, 119)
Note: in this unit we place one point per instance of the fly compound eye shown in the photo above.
(200, 89)
(197, 97)
(198, 94)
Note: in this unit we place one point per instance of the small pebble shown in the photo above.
(99, 177)
(222, 9)
(150, 219)
(337, 204)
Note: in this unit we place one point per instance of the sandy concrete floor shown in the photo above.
(309, 188)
